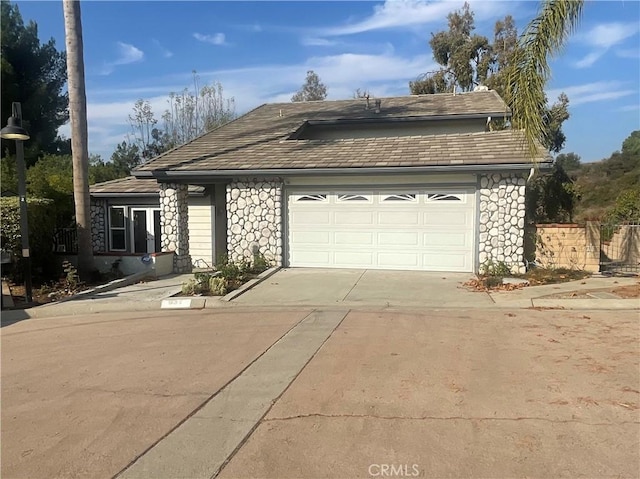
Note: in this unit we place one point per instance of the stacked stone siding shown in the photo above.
(502, 212)
(98, 225)
(254, 219)
(174, 217)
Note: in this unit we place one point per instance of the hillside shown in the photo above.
(600, 183)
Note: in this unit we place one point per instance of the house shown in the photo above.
(126, 220)
(414, 182)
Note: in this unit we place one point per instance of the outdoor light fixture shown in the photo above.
(14, 131)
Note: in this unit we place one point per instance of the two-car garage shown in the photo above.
(430, 229)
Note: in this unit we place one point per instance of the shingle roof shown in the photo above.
(259, 139)
(133, 186)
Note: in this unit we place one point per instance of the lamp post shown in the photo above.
(14, 131)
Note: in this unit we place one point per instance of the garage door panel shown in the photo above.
(451, 261)
(353, 258)
(447, 218)
(399, 218)
(310, 258)
(392, 229)
(345, 217)
(353, 238)
(399, 238)
(311, 217)
(396, 259)
(311, 237)
(447, 238)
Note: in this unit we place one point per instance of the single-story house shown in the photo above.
(415, 182)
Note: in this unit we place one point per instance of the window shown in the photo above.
(117, 229)
(354, 198)
(443, 197)
(319, 197)
(400, 197)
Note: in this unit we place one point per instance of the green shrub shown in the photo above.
(492, 281)
(41, 217)
(260, 263)
(498, 269)
(218, 286)
(230, 270)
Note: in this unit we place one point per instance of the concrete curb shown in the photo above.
(250, 284)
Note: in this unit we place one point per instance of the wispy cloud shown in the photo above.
(127, 54)
(632, 108)
(628, 53)
(317, 42)
(603, 37)
(593, 92)
(407, 13)
(215, 39)
(165, 52)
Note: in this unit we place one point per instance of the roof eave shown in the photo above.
(190, 175)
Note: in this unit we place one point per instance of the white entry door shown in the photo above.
(411, 229)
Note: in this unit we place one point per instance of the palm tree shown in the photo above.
(543, 38)
(79, 135)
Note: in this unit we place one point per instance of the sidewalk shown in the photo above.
(149, 295)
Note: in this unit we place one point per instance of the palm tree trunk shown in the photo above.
(79, 135)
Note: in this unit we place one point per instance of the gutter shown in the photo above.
(188, 175)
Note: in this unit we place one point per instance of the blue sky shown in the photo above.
(260, 52)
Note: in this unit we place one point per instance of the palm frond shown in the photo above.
(543, 38)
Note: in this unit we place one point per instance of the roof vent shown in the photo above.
(481, 88)
(378, 103)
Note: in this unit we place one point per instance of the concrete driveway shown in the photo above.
(358, 287)
(327, 393)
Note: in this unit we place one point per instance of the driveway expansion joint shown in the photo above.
(444, 418)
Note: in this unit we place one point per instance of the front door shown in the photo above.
(146, 230)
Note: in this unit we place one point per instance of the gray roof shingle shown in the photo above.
(259, 139)
(133, 186)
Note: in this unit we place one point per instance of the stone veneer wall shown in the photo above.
(502, 212)
(254, 219)
(99, 225)
(174, 218)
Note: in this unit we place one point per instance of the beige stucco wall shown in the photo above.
(568, 246)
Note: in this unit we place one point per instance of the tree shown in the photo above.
(465, 58)
(552, 197)
(52, 178)
(568, 161)
(125, 158)
(189, 115)
(543, 37)
(312, 90)
(193, 114)
(33, 74)
(79, 135)
(468, 60)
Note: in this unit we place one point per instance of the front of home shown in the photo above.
(412, 183)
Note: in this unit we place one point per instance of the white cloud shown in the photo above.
(317, 42)
(628, 53)
(215, 39)
(165, 53)
(603, 37)
(407, 13)
(128, 54)
(593, 92)
(607, 35)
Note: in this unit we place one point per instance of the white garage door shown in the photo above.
(429, 230)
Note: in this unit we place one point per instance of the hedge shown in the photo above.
(42, 223)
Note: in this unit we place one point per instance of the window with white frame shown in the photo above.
(117, 228)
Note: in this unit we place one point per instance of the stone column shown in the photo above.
(174, 218)
(254, 219)
(99, 225)
(502, 211)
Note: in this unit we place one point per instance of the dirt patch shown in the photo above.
(627, 292)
